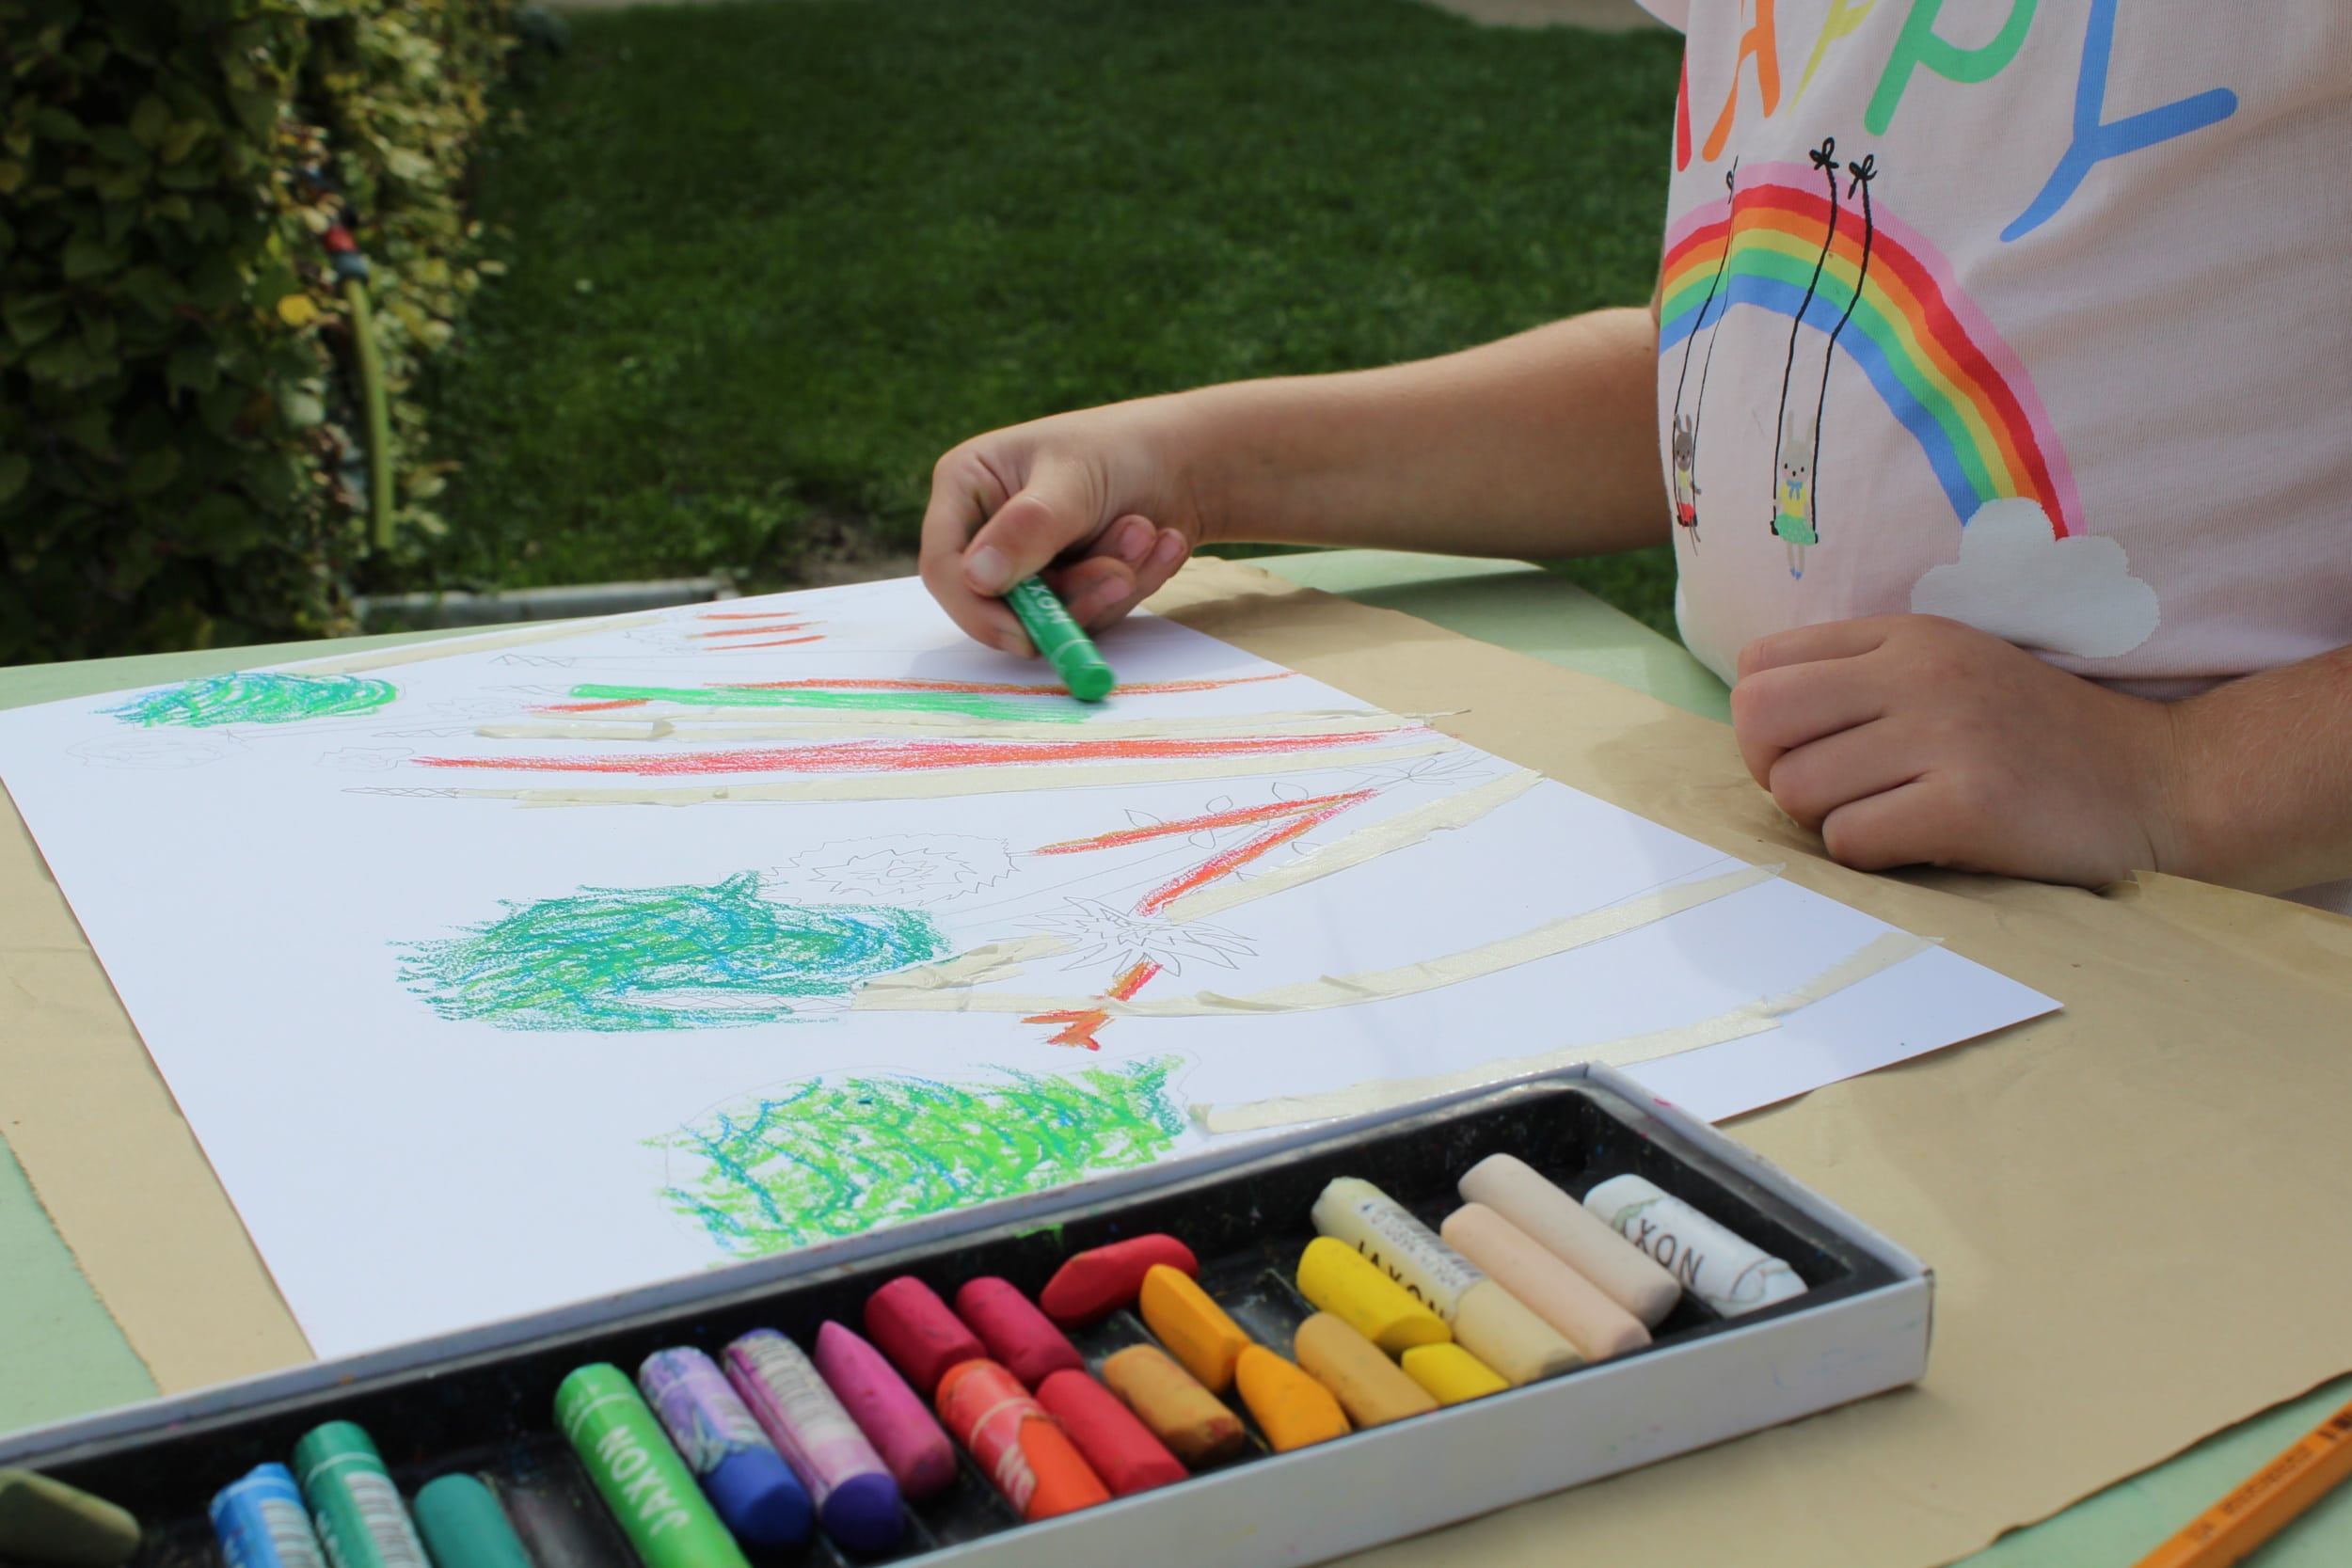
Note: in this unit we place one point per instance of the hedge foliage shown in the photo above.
(176, 459)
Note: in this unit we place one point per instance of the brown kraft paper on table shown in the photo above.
(2132, 1207)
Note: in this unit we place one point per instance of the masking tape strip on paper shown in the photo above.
(1754, 1018)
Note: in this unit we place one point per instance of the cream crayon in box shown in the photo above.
(482, 1400)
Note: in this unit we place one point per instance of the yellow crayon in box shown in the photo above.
(1339, 1280)
(1451, 1374)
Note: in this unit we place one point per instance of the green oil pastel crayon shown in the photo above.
(353, 1500)
(1061, 640)
(643, 1481)
(464, 1526)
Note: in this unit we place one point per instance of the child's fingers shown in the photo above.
(1777, 711)
(1166, 553)
(965, 490)
(1908, 825)
(1810, 644)
(1059, 508)
(1811, 781)
(1095, 589)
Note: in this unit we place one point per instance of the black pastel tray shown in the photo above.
(491, 1411)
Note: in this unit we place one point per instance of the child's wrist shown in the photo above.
(2199, 831)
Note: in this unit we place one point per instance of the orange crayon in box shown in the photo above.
(2265, 1502)
(1024, 1449)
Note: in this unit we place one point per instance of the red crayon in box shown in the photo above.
(1017, 1334)
(1096, 1283)
(913, 1326)
(1119, 1447)
(1030, 1459)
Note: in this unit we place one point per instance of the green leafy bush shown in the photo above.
(176, 461)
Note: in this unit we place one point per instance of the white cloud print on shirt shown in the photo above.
(2017, 580)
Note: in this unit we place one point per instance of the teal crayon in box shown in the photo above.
(1061, 640)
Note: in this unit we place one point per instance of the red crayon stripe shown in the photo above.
(913, 757)
(1240, 816)
(749, 631)
(747, 615)
(1234, 859)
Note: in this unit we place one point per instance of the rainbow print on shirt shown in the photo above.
(1777, 242)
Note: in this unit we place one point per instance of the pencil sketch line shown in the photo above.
(1347, 991)
(359, 664)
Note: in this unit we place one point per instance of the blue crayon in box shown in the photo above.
(754, 1492)
(262, 1523)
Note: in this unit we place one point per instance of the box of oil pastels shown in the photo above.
(1349, 1335)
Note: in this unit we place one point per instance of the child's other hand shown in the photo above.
(1094, 491)
(1910, 739)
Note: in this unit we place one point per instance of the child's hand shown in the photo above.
(1912, 739)
(1097, 491)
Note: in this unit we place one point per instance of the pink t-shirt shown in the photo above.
(2035, 315)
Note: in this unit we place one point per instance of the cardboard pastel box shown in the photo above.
(483, 1402)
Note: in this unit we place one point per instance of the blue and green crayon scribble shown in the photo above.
(256, 699)
(662, 957)
(838, 1156)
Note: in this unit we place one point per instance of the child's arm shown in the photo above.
(1911, 739)
(1539, 444)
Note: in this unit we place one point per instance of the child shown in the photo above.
(1996, 395)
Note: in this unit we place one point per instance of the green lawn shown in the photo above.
(767, 260)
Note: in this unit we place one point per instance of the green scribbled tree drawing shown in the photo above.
(662, 957)
(256, 698)
(833, 1157)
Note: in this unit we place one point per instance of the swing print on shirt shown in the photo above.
(1796, 454)
(1807, 243)
(1685, 468)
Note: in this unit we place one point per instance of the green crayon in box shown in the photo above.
(352, 1497)
(642, 1479)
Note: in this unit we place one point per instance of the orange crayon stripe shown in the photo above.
(2265, 1502)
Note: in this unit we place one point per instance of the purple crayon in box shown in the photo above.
(753, 1490)
(857, 1501)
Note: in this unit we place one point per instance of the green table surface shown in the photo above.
(61, 1353)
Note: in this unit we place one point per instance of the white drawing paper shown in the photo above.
(529, 968)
